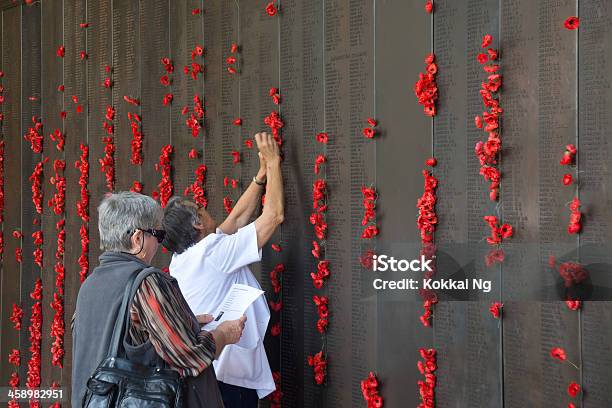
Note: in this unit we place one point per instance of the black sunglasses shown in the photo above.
(158, 234)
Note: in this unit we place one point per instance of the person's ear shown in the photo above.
(197, 224)
(136, 239)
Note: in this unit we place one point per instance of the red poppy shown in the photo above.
(248, 143)
(428, 6)
(496, 309)
(236, 157)
(84, 25)
(237, 122)
(558, 353)
(276, 247)
(83, 55)
(61, 51)
(567, 179)
(167, 99)
(318, 161)
(322, 138)
(271, 9)
(193, 154)
(482, 58)
(573, 304)
(368, 132)
(492, 54)
(486, 40)
(230, 60)
(231, 70)
(369, 232)
(195, 11)
(572, 23)
(275, 330)
(431, 162)
(199, 50)
(234, 48)
(372, 122)
(107, 83)
(164, 80)
(573, 389)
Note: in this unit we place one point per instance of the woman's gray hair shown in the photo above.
(122, 212)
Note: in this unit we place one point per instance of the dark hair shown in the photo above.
(178, 224)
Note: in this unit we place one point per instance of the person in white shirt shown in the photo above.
(207, 260)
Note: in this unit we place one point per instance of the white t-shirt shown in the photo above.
(205, 272)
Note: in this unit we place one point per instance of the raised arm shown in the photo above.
(246, 205)
(274, 209)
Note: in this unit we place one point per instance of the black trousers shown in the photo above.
(238, 397)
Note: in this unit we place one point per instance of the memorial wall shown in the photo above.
(188, 83)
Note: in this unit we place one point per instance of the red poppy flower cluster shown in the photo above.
(271, 9)
(497, 233)
(82, 207)
(34, 135)
(575, 225)
(38, 252)
(369, 132)
(15, 358)
(35, 330)
(57, 331)
(487, 152)
(427, 388)
(165, 187)
(321, 302)
(369, 389)
(276, 396)
(275, 95)
(231, 60)
(274, 121)
(16, 316)
(58, 201)
(195, 118)
(107, 163)
(195, 68)
(569, 156)
(197, 187)
(369, 214)
(319, 364)
(319, 206)
(427, 219)
(36, 181)
(320, 276)
(135, 126)
(428, 303)
(496, 309)
(58, 137)
(426, 89)
(58, 204)
(275, 277)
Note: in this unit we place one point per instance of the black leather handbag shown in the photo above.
(119, 382)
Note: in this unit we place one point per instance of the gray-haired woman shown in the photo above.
(162, 327)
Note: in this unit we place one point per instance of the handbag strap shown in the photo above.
(123, 315)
